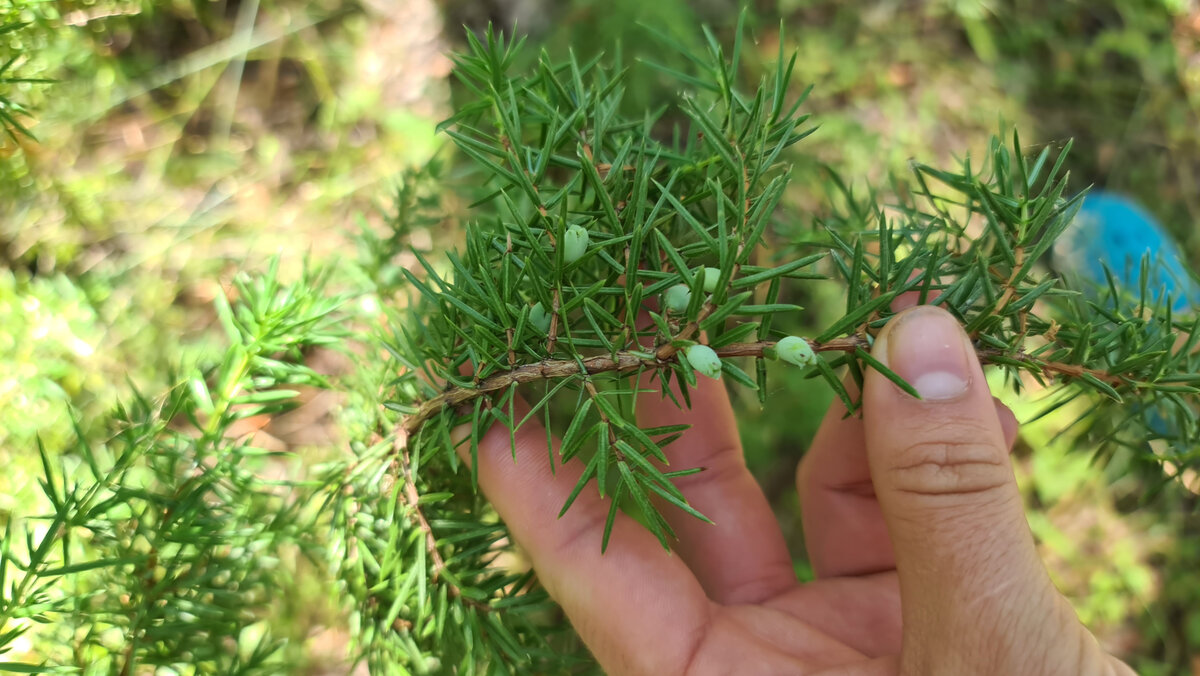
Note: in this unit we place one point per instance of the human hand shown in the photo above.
(912, 517)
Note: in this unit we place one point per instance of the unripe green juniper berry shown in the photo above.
(677, 298)
(539, 317)
(575, 243)
(704, 360)
(795, 350)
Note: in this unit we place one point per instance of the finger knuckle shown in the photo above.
(958, 467)
(721, 466)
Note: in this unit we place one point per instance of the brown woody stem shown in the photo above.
(413, 500)
(626, 362)
(622, 362)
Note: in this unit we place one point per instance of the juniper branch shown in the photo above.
(412, 499)
(628, 361)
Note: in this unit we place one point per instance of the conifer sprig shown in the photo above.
(680, 206)
(696, 193)
(162, 547)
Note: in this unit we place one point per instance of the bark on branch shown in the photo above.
(626, 361)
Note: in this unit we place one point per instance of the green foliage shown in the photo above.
(170, 536)
(50, 334)
(10, 110)
(13, 113)
(163, 541)
(1121, 74)
(559, 155)
(555, 152)
(708, 199)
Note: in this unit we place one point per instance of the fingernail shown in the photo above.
(929, 350)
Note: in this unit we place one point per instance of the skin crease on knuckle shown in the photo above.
(764, 586)
(957, 468)
(963, 461)
(739, 641)
(723, 464)
(809, 482)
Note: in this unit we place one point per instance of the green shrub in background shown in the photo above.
(341, 520)
(19, 38)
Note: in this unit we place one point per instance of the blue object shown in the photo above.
(1115, 231)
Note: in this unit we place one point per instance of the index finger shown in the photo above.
(619, 601)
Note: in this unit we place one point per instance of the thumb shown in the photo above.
(976, 597)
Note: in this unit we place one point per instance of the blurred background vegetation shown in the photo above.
(152, 148)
